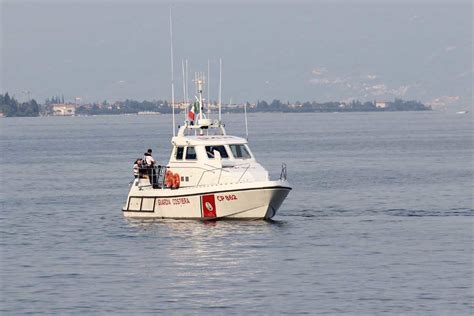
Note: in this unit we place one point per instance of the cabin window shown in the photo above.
(179, 153)
(191, 153)
(240, 152)
(220, 149)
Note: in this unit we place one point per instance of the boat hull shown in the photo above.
(256, 201)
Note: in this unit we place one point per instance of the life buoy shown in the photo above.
(176, 181)
(169, 177)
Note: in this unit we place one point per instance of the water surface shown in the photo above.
(379, 220)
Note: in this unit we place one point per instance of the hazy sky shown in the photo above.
(315, 50)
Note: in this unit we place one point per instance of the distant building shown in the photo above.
(380, 104)
(64, 109)
(181, 105)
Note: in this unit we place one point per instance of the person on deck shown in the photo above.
(150, 162)
(136, 167)
(148, 158)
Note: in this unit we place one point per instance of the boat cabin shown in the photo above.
(206, 156)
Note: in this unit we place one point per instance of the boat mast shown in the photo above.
(246, 124)
(208, 88)
(172, 71)
(187, 92)
(200, 83)
(220, 88)
(184, 90)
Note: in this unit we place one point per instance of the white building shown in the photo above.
(380, 104)
(64, 109)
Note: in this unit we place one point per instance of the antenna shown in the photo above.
(246, 125)
(200, 84)
(187, 82)
(220, 88)
(172, 70)
(187, 85)
(184, 90)
(208, 88)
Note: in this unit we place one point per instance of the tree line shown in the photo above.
(124, 107)
(133, 106)
(353, 106)
(9, 106)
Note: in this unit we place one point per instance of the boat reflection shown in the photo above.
(180, 228)
(199, 255)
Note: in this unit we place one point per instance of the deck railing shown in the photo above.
(220, 170)
(155, 176)
(283, 172)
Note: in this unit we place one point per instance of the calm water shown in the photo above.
(380, 220)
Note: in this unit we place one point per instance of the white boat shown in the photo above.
(462, 112)
(148, 113)
(210, 175)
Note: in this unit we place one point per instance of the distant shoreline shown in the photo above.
(223, 112)
(10, 107)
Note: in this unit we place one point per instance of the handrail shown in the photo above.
(283, 176)
(209, 170)
(156, 175)
(220, 173)
(248, 166)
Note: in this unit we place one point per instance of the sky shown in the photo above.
(291, 51)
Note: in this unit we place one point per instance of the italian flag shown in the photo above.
(192, 112)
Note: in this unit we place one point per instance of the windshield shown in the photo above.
(220, 149)
(191, 153)
(179, 153)
(240, 152)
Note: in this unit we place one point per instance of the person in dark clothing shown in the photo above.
(136, 168)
